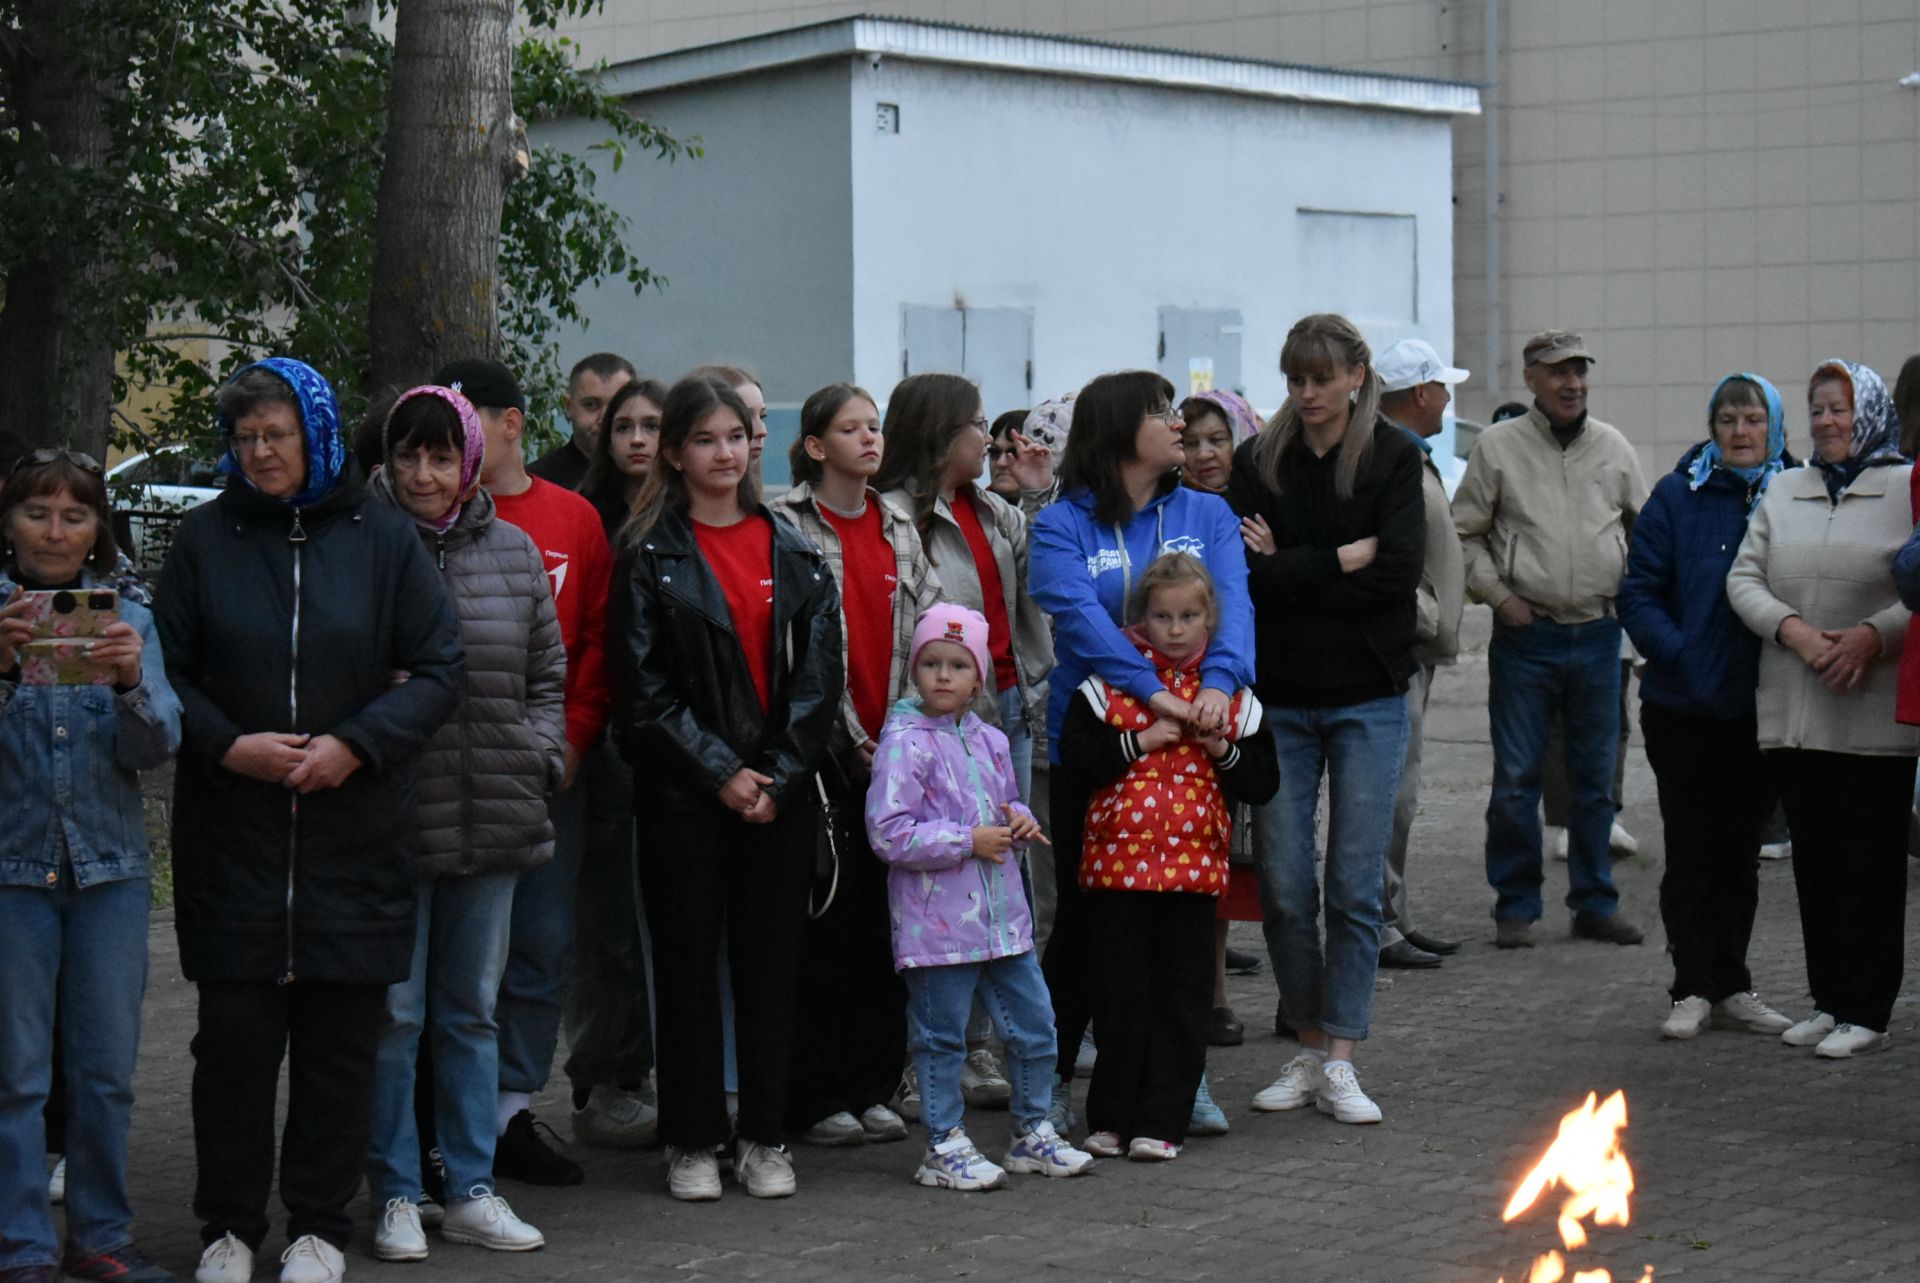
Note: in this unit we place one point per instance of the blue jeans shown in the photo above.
(1359, 749)
(459, 951)
(533, 989)
(1013, 721)
(1532, 671)
(1015, 995)
(87, 952)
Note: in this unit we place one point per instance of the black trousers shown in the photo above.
(1715, 793)
(1066, 961)
(850, 1024)
(609, 1028)
(701, 871)
(1848, 813)
(1153, 984)
(329, 1034)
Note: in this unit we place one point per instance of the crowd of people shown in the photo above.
(790, 810)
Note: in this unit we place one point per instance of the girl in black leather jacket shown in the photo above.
(725, 641)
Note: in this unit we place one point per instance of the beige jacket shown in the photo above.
(1547, 524)
(1832, 565)
(1441, 598)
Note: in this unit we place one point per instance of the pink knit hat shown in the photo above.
(949, 622)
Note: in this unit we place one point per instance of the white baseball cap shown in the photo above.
(1412, 362)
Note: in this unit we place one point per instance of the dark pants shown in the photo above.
(1714, 795)
(1066, 961)
(609, 1027)
(1848, 813)
(329, 1034)
(1153, 983)
(850, 1023)
(704, 871)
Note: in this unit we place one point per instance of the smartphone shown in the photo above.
(66, 624)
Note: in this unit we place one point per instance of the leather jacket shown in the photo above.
(686, 714)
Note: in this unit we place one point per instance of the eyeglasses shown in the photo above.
(995, 453)
(1168, 414)
(980, 424)
(49, 454)
(246, 442)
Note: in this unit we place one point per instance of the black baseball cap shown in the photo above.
(488, 384)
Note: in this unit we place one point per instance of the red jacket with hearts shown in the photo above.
(1163, 823)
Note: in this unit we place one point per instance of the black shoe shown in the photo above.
(1403, 955)
(520, 1155)
(433, 1176)
(1512, 933)
(1609, 930)
(1281, 1027)
(1242, 964)
(1432, 944)
(1224, 1028)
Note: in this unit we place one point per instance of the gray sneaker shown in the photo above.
(982, 1084)
(766, 1170)
(1746, 1013)
(615, 1119)
(1687, 1019)
(837, 1129)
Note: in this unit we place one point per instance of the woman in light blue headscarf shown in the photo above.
(1697, 703)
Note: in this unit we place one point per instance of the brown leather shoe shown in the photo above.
(1609, 930)
(1512, 933)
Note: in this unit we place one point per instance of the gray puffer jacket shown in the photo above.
(481, 783)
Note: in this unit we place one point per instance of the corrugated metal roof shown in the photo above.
(1043, 55)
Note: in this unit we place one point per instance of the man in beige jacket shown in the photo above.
(1414, 391)
(1543, 513)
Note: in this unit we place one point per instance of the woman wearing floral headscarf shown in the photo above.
(286, 607)
(1814, 577)
(1697, 704)
(480, 788)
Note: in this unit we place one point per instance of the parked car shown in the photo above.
(150, 491)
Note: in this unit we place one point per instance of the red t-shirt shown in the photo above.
(741, 557)
(573, 544)
(868, 581)
(999, 631)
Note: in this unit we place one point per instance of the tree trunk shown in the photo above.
(56, 346)
(443, 185)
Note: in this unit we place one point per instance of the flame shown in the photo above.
(1585, 1158)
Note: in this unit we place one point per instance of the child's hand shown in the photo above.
(1216, 748)
(1023, 827)
(991, 842)
(1164, 733)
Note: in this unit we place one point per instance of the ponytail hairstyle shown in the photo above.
(925, 415)
(1318, 346)
(816, 416)
(688, 404)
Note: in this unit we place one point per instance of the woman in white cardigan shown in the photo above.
(1814, 577)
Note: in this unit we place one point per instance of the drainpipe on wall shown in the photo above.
(1490, 115)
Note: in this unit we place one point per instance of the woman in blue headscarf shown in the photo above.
(314, 651)
(1696, 703)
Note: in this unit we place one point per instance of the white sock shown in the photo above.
(1329, 1064)
(511, 1103)
(1318, 1053)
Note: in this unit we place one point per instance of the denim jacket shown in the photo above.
(68, 762)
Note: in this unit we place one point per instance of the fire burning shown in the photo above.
(1585, 1159)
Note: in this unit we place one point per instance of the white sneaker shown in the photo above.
(227, 1260)
(1621, 842)
(1043, 1152)
(953, 1163)
(982, 1085)
(1688, 1017)
(1106, 1144)
(906, 1097)
(312, 1260)
(882, 1124)
(485, 1220)
(766, 1170)
(1851, 1040)
(1745, 1012)
(1340, 1095)
(1554, 838)
(1776, 851)
(398, 1236)
(1809, 1031)
(1294, 1088)
(1085, 1058)
(57, 1183)
(836, 1129)
(693, 1175)
(1145, 1149)
(616, 1119)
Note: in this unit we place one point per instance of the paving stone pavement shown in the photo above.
(1752, 1160)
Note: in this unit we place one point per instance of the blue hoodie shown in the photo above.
(1080, 572)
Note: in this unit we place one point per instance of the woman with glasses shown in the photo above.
(73, 872)
(315, 652)
(1121, 506)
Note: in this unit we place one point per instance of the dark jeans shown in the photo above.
(533, 989)
(330, 1036)
(1848, 813)
(850, 1023)
(1714, 795)
(705, 870)
(1065, 963)
(1153, 977)
(608, 1021)
(1554, 795)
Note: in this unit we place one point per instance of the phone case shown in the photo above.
(66, 623)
